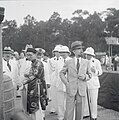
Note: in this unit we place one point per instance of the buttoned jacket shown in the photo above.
(72, 82)
(94, 81)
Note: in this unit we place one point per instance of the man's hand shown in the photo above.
(26, 75)
(93, 69)
(82, 77)
(48, 85)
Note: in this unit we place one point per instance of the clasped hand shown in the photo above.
(82, 76)
(93, 69)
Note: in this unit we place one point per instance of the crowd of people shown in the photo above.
(66, 84)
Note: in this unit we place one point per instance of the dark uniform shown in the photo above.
(36, 75)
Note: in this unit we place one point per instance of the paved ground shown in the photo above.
(103, 114)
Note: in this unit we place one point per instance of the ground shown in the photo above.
(103, 113)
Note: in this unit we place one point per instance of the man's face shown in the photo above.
(40, 55)
(88, 56)
(30, 56)
(64, 54)
(78, 51)
(57, 54)
(22, 55)
(7, 56)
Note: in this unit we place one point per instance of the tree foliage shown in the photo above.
(89, 28)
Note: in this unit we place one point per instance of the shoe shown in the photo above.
(93, 118)
(53, 113)
(18, 96)
(85, 117)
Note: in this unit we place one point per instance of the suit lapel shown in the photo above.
(73, 64)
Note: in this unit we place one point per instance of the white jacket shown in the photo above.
(46, 72)
(24, 67)
(60, 84)
(13, 74)
(54, 67)
(94, 81)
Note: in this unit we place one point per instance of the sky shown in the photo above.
(43, 9)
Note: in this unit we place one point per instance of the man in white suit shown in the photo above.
(93, 84)
(10, 67)
(78, 73)
(61, 90)
(54, 65)
(24, 68)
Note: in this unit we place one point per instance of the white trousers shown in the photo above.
(61, 100)
(53, 95)
(93, 96)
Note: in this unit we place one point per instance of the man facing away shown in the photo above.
(78, 73)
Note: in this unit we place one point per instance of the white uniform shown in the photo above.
(13, 74)
(46, 72)
(93, 85)
(54, 66)
(24, 67)
(61, 92)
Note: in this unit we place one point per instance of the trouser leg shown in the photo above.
(79, 107)
(70, 104)
(61, 104)
(93, 94)
(53, 102)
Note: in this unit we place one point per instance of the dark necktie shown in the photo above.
(78, 65)
(9, 66)
(64, 60)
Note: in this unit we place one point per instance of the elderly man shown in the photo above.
(78, 73)
(35, 76)
(93, 84)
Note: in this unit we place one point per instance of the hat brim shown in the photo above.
(55, 51)
(7, 52)
(64, 52)
(89, 54)
(76, 47)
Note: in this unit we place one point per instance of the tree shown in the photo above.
(9, 33)
(112, 22)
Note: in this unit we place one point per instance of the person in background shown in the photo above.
(54, 65)
(24, 68)
(61, 90)
(46, 57)
(10, 67)
(107, 60)
(93, 84)
(115, 62)
(45, 84)
(78, 72)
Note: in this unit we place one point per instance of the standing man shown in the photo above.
(54, 64)
(61, 89)
(10, 67)
(34, 78)
(77, 74)
(93, 84)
